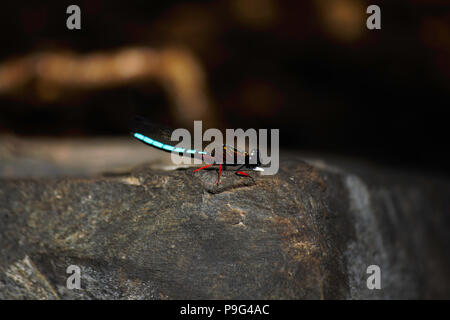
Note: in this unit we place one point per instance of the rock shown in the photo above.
(309, 232)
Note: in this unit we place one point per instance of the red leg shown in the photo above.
(220, 171)
(240, 173)
(209, 165)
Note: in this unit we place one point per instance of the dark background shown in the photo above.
(310, 68)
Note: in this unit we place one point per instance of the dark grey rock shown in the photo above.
(308, 232)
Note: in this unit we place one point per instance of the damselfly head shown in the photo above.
(254, 159)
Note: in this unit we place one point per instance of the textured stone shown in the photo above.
(308, 232)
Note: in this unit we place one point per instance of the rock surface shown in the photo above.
(309, 232)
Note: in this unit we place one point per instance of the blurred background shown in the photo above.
(310, 68)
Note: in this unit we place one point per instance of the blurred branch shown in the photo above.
(50, 75)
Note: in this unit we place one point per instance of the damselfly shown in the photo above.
(232, 158)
